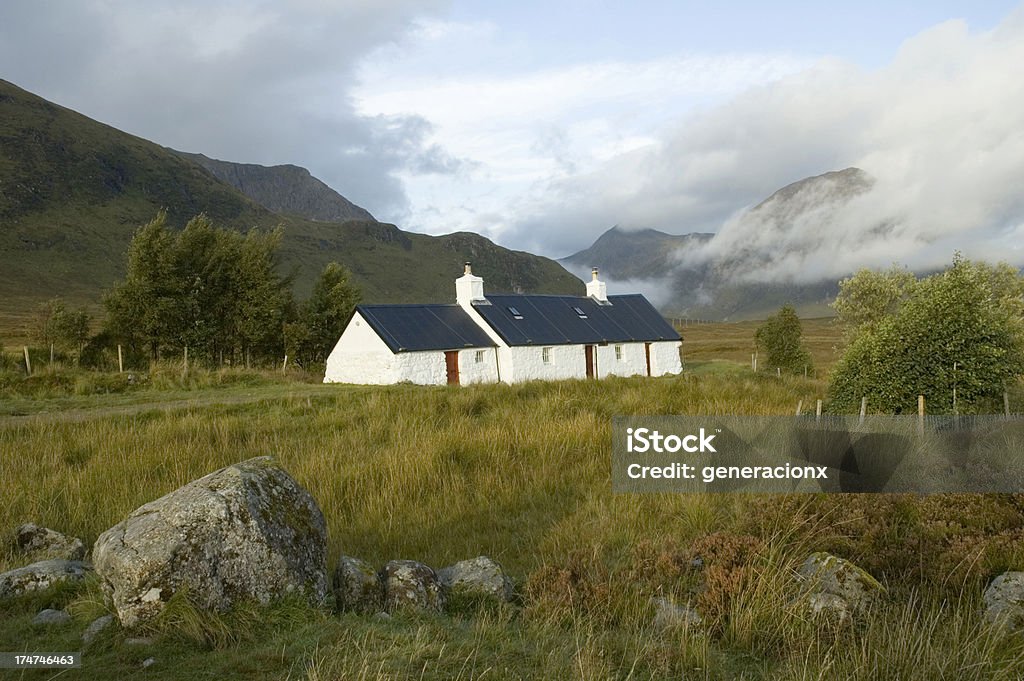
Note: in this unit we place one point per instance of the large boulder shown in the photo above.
(357, 586)
(44, 543)
(835, 587)
(1004, 601)
(478, 577)
(412, 585)
(41, 575)
(248, 531)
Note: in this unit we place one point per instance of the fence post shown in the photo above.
(120, 360)
(799, 407)
(778, 372)
(1006, 403)
(284, 365)
(51, 353)
(186, 359)
(920, 414)
(28, 362)
(817, 411)
(863, 408)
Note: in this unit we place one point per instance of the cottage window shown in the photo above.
(515, 312)
(618, 353)
(479, 356)
(545, 355)
(579, 311)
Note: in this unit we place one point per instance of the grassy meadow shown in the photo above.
(522, 474)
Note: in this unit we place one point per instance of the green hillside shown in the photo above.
(73, 191)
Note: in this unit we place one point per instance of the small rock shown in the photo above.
(382, 616)
(148, 662)
(41, 575)
(45, 543)
(1004, 601)
(668, 615)
(477, 577)
(138, 642)
(50, 616)
(357, 586)
(97, 626)
(409, 584)
(828, 574)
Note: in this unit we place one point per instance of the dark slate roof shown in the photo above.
(410, 328)
(553, 320)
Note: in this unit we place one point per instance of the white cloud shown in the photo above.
(939, 127)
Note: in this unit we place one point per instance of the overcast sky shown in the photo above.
(542, 124)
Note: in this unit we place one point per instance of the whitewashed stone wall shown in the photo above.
(665, 358)
(471, 371)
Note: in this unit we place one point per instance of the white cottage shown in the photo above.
(506, 337)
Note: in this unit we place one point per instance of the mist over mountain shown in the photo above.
(754, 264)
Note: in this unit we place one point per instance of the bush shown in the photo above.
(780, 338)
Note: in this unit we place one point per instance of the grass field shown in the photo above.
(734, 342)
(520, 473)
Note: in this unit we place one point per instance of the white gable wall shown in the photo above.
(360, 356)
(665, 358)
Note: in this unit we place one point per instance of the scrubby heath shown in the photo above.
(520, 473)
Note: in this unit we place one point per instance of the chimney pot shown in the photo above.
(593, 272)
(469, 268)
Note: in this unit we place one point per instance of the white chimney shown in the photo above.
(596, 288)
(469, 288)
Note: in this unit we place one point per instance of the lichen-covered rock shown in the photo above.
(44, 543)
(824, 573)
(1004, 601)
(248, 531)
(50, 616)
(668, 615)
(477, 577)
(829, 606)
(41, 575)
(357, 586)
(412, 585)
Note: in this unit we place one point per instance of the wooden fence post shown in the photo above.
(1006, 403)
(120, 360)
(920, 414)
(28, 362)
(51, 353)
(799, 407)
(186, 359)
(863, 408)
(817, 411)
(778, 372)
(284, 365)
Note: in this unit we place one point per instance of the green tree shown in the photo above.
(215, 291)
(961, 328)
(780, 339)
(325, 314)
(60, 326)
(869, 296)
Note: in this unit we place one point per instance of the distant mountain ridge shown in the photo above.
(707, 275)
(634, 254)
(286, 189)
(73, 191)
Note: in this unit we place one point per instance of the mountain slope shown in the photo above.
(744, 270)
(73, 191)
(285, 189)
(634, 254)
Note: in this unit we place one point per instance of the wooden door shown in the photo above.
(451, 365)
(589, 352)
(647, 355)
